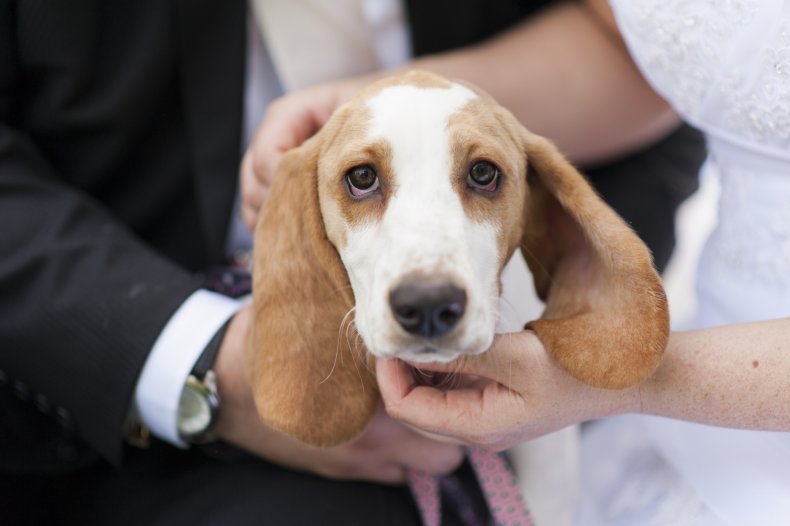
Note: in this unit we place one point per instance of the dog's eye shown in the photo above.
(483, 175)
(362, 180)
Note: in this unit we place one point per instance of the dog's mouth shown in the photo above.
(425, 351)
(430, 378)
(442, 380)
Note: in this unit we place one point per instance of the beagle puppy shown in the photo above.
(386, 233)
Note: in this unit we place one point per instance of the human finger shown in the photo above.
(253, 192)
(406, 447)
(473, 415)
(288, 122)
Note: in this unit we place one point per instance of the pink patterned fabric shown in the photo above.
(425, 489)
(497, 482)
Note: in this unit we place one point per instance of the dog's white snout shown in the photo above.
(427, 307)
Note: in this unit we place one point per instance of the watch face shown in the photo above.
(194, 412)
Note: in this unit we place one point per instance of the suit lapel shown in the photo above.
(211, 52)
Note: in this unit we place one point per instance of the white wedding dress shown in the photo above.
(724, 65)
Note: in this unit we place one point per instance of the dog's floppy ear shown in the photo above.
(606, 320)
(305, 367)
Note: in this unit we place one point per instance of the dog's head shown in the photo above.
(393, 225)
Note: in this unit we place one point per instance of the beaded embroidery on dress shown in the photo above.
(724, 65)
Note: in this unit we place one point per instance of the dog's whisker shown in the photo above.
(351, 331)
(360, 352)
(537, 260)
(463, 364)
(510, 370)
(341, 289)
(348, 321)
(510, 362)
(508, 315)
(338, 353)
(359, 373)
(452, 378)
(356, 349)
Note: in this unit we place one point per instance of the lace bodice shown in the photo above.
(723, 64)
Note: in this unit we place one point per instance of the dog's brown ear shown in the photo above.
(606, 320)
(306, 366)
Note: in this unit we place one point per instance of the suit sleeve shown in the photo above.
(81, 299)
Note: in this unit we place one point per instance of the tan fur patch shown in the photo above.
(606, 320)
(308, 377)
(347, 147)
(480, 132)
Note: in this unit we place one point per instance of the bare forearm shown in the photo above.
(566, 75)
(734, 376)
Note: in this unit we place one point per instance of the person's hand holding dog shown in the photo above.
(511, 393)
(725, 376)
(382, 454)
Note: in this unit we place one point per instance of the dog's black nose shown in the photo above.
(427, 309)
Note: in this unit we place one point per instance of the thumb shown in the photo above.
(466, 414)
(510, 357)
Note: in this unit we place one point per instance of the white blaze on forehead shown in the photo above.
(423, 204)
(414, 122)
(395, 110)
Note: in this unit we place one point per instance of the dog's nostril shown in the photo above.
(450, 314)
(409, 317)
(428, 309)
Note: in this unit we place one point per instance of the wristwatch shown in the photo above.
(198, 408)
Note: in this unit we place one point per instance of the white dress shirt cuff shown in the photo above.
(173, 356)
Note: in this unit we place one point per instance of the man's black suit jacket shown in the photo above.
(120, 127)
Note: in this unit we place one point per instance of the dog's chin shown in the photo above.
(423, 355)
(428, 353)
(424, 351)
